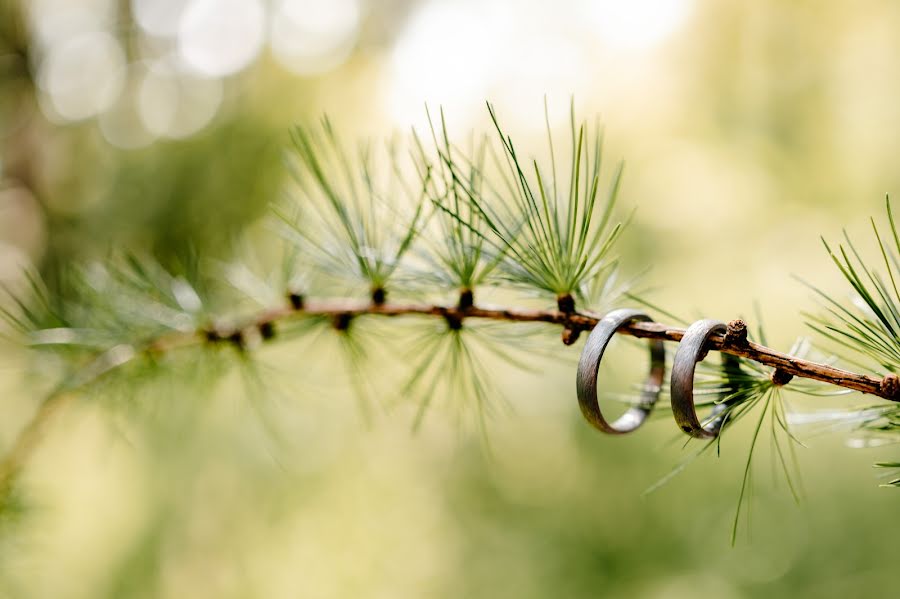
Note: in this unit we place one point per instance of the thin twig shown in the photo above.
(342, 310)
(28, 439)
(575, 321)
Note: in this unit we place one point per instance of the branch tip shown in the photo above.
(736, 333)
(890, 386)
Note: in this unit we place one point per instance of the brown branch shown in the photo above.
(342, 312)
(737, 345)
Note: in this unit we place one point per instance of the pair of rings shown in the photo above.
(689, 353)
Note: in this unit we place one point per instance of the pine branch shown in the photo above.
(28, 439)
(350, 226)
(573, 323)
(341, 312)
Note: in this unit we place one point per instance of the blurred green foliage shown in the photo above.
(755, 128)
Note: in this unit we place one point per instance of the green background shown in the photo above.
(748, 130)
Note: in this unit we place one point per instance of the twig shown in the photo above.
(344, 311)
(28, 439)
(886, 388)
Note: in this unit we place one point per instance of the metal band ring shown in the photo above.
(588, 365)
(689, 353)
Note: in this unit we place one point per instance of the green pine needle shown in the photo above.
(355, 216)
(869, 326)
(554, 241)
(745, 387)
(454, 253)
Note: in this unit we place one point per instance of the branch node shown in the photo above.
(379, 295)
(736, 333)
(890, 386)
(237, 340)
(454, 320)
(266, 330)
(236, 337)
(296, 300)
(341, 321)
(466, 299)
(780, 377)
(565, 303)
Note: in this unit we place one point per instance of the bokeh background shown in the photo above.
(748, 130)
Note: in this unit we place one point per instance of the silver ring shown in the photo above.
(690, 351)
(586, 378)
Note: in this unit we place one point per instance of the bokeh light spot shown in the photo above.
(176, 105)
(121, 124)
(314, 36)
(53, 21)
(158, 17)
(217, 38)
(82, 76)
(445, 55)
(638, 24)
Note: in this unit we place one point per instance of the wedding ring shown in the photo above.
(689, 353)
(586, 378)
